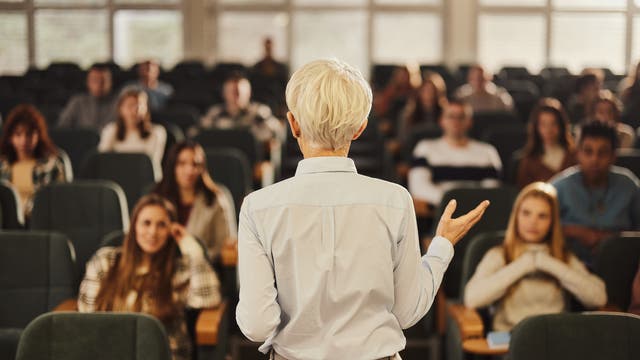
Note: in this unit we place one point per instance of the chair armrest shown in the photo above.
(611, 308)
(468, 320)
(229, 254)
(208, 324)
(479, 346)
(67, 305)
(441, 312)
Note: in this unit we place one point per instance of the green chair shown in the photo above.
(96, 336)
(576, 336)
(464, 323)
(12, 214)
(231, 168)
(37, 273)
(75, 142)
(616, 263)
(495, 218)
(85, 211)
(133, 172)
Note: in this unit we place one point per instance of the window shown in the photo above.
(571, 33)
(392, 31)
(241, 35)
(525, 44)
(323, 34)
(55, 28)
(141, 35)
(590, 4)
(588, 40)
(635, 48)
(14, 56)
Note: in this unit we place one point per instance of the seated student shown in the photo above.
(596, 198)
(96, 108)
(482, 93)
(160, 270)
(389, 101)
(204, 208)
(532, 273)
(133, 131)
(28, 157)
(634, 305)
(629, 91)
(608, 108)
(239, 111)
(451, 161)
(586, 91)
(148, 81)
(424, 107)
(550, 147)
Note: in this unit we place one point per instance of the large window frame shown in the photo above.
(207, 47)
(30, 7)
(548, 10)
(370, 7)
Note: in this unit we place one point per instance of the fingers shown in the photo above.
(475, 215)
(448, 211)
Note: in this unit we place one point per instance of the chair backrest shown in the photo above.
(133, 172)
(576, 336)
(495, 218)
(616, 263)
(630, 159)
(477, 248)
(483, 121)
(96, 336)
(231, 168)
(240, 139)
(37, 272)
(85, 211)
(507, 141)
(75, 142)
(12, 213)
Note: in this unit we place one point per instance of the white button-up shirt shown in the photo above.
(330, 266)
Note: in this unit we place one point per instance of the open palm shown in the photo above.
(455, 229)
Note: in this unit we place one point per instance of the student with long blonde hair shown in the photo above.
(532, 272)
(160, 270)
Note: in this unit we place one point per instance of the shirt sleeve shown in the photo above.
(97, 268)
(107, 138)
(574, 276)
(258, 312)
(420, 181)
(69, 115)
(492, 278)
(157, 151)
(204, 286)
(416, 279)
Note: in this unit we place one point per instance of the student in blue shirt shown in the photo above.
(597, 199)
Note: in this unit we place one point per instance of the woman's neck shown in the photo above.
(24, 157)
(187, 195)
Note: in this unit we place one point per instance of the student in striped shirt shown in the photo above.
(451, 161)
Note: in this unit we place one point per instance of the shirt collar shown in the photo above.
(325, 164)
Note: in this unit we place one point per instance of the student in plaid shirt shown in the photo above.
(148, 274)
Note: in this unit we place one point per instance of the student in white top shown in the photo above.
(451, 161)
(329, 262)
(532, 272)
(133, 131)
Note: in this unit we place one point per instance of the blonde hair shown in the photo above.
(514, 245)
(330, 100)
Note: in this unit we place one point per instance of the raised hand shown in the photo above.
(178, 231)
(455, 229)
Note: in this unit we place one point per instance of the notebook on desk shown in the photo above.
(498, 339)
